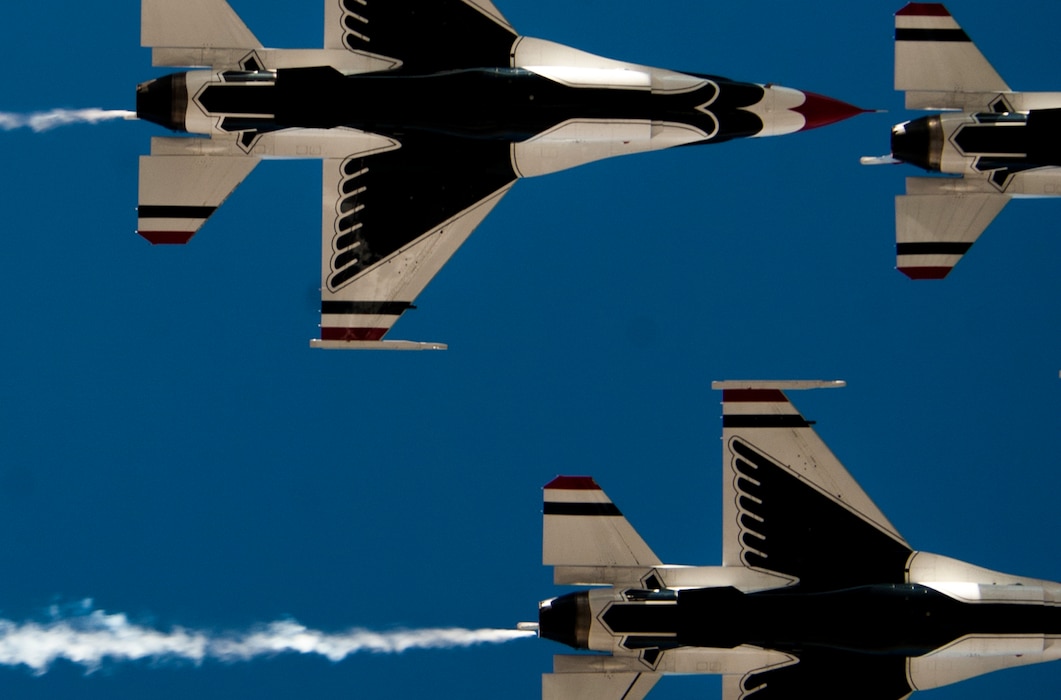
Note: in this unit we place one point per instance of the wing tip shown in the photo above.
(923, 9)
(166, 237)
(925, 273)
(784, 385)
(573, 483)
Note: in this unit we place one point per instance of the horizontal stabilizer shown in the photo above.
(935, 225)
(625, 685)
(178, 193)
(934, 55)
(582, 527)
(207, 24)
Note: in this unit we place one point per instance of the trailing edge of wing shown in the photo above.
(936, 62)
(936, 223)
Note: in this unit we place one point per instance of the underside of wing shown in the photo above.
(391, 221)
(936, 63)
(789, 506)
(936, 223)
(421, 35)
(829, 674)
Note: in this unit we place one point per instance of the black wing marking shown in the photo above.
(427, 36)
(789, 526)
(827, 674)
(389, 200)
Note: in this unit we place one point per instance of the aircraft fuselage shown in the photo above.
(892, 619)
(988, 142)
(512, 105)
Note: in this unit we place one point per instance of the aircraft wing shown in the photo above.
(938, 220)
(423, 35)
(789, 506)
(391, 221)
(826, 674)
(936, 63)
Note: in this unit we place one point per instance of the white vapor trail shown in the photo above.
(46, 121)
(95, 637)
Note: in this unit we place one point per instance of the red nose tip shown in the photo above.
(820, 110)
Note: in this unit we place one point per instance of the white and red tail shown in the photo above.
(587, 538)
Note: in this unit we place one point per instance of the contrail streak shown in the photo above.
(95, 637)
(45, 121)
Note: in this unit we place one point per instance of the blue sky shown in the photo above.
(171, 448)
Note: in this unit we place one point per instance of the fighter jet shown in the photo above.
(1001, 144)
(424, 113)
(818, 595)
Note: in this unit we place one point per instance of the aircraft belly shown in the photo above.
(904, 620)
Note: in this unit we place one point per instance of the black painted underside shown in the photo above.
(1018, 146)
(410, 191)
(427, 35)
(850, 643)
(790, 527)
(455, 130)
(499, 104)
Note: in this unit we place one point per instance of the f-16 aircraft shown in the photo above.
(424, 112)
(1003, 144)
(818, 595)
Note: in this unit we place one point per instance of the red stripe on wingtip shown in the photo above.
(753, 395)
(925, 273)
(353, 334)
(574, 483)
(167, 237)
(923, 9)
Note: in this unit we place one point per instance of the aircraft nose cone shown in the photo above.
(819, 110)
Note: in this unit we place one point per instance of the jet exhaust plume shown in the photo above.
(93, 637)
(46, 121)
